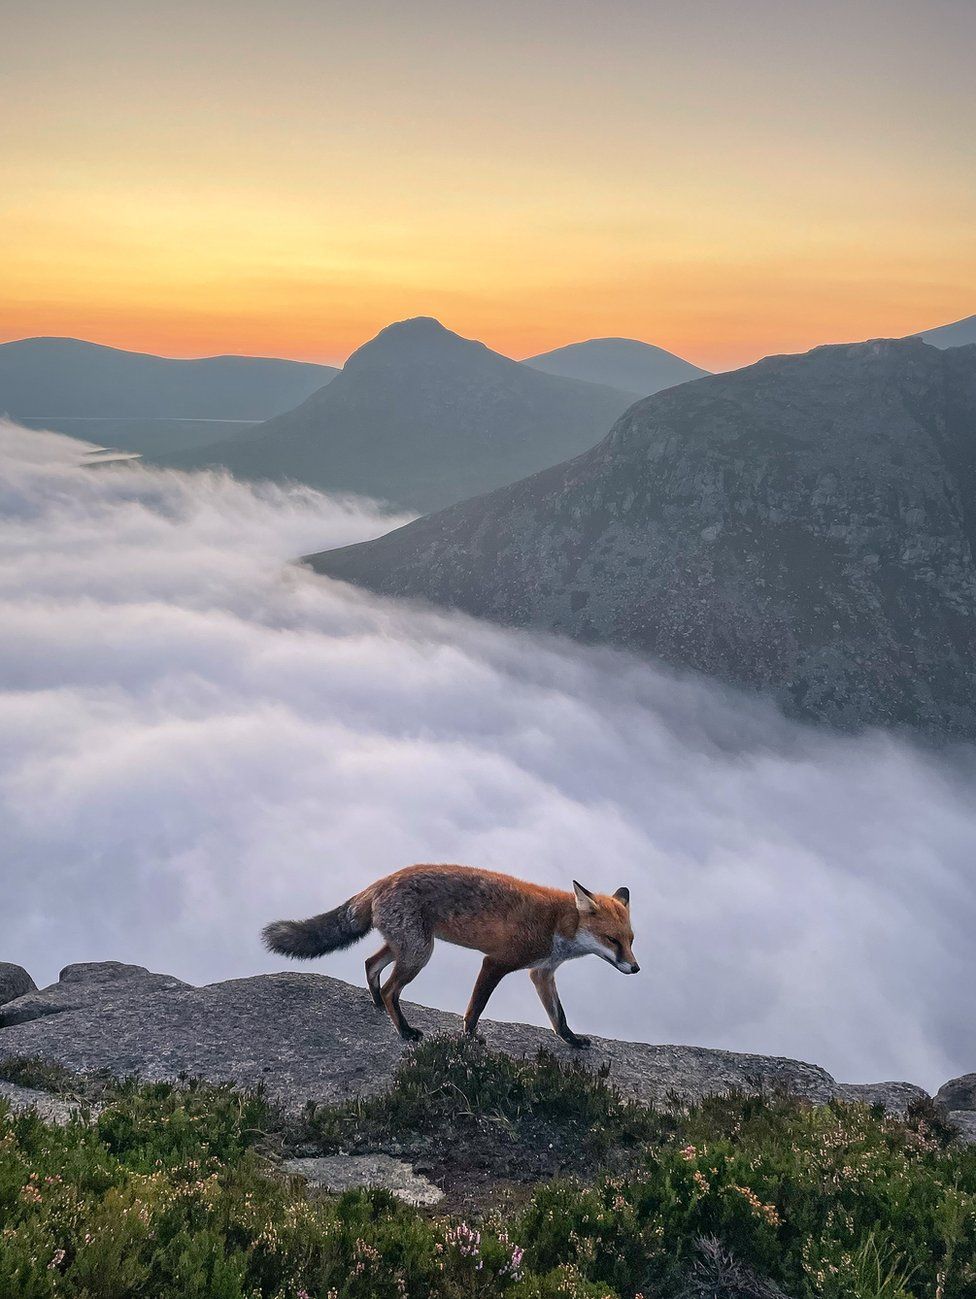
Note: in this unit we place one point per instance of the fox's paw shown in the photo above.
(579, 1043)
(474, 1036)
(410, 1034)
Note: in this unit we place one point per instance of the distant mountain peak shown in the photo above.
(417, 341)
(421, 417)
(617, 341)
(626, 364)
(415, 329)
(417, 325)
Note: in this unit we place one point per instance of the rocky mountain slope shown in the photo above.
(308, 1037)
(805, 526)
(961, 333)
(141, 402)
(624, 363)
(421, 417)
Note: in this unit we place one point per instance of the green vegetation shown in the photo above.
(168, 1193)
(449, 1084)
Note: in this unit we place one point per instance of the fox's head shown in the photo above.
(604, 927)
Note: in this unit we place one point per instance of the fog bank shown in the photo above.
(196, 737)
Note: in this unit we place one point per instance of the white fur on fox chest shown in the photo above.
(568, 949)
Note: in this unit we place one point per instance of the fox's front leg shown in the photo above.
(545, 986)
(491, 975)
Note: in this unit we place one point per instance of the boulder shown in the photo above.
(338, 1173)
(308, 1037)
(90, 983)
(965, 1122)
(51, 1108)
(14, 982)
(894, 1096)
(958, 1093)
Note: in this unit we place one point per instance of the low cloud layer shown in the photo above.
(196, 738)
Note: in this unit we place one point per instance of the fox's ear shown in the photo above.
(585, 901)
(623, 895)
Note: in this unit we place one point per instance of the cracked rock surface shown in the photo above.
(308, 1037)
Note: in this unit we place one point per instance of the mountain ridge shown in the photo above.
(958, 333)
(804, 526)
(421, 417)
(253, 401)
(142, 402)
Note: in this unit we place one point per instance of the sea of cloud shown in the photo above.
(197, 736)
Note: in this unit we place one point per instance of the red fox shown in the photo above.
(518, 926)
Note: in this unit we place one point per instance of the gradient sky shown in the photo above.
(723, 179)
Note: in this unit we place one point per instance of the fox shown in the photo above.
(516, 924)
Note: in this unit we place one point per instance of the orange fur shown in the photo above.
(516, 924)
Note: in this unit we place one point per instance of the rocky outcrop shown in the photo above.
(336, 1173)
(83, 985)
(308, 1037)
(958, 1098)
(964, 1122)
(52, 1108)
(894, 1096)
(14, 982)
(958, 1093)
(805, 526)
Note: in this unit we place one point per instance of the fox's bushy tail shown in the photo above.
(329, 932)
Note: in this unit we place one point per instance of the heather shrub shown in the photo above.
(169, 1193)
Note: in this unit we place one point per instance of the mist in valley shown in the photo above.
(198, 736)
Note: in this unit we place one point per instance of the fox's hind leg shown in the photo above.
(407, 966)
(375, 966)
(400, 917)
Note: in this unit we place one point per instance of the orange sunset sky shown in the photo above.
(723, 179)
